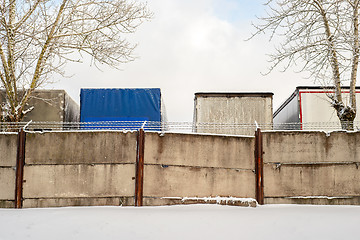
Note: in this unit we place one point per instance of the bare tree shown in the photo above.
(322, 37)
(38, 37)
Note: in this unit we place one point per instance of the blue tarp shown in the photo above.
(141, 104)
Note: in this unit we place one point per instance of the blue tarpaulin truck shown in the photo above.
(118, 108)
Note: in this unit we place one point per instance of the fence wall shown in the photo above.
(98, 168)
(186, 165)
(8, 150)
(311, 167)
(79, 168)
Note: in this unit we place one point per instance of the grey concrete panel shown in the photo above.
(199, 150)
(161, 181)
(8, 149)
(315, 200)
(7, 204)
(311, 180)
(311, 147)
(65, 181)
(7, 184)
(343, 147)
(80, 147)
(294, 147)
(66, 202)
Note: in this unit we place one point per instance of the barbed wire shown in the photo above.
(220, 128)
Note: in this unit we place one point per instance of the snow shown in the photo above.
(232, 201)
(326, 132)
(182, 222)
(28, 110)
(317, 197)
(186, 131)
(219, 200)
(8, 133)
(27, 124)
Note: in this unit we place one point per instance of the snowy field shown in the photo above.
(182, 222)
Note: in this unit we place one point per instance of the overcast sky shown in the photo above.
(193, 46)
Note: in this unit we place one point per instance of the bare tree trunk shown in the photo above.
(346, 114)
(323, 36)
(355, 64)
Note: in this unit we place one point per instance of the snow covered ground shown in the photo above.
(182, 222)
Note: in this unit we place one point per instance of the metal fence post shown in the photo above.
(139, 177)
(259, 166)
(20, 162)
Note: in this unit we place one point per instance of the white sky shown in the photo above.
(193, 46)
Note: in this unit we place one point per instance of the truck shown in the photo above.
(128, 108)
(309, 108)
(232, 112)
(51, 110)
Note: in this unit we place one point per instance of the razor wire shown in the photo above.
(186, 127)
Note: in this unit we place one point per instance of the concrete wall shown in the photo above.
(98, 168)
(183, 165)
(8, 151)
(311, 167)
(79, 168)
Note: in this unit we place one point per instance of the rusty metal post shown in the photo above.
(20, 162)
(139, 177)
(259, 166)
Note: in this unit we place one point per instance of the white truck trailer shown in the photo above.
(309, 108)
